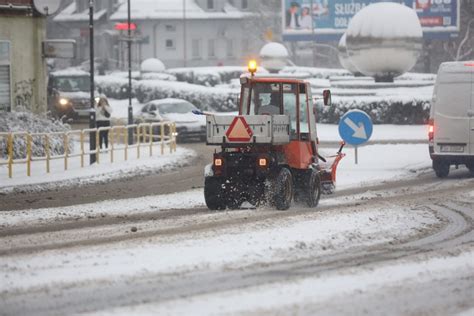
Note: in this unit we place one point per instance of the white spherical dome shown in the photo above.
(274, 49)
(152, 65)
(384, 40)
(274, 56)
(343, 57)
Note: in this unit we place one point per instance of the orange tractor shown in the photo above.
(269, 152)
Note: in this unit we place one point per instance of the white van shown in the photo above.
(451, 125)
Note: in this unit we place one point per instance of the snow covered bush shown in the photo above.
(23, 121)
(383, 111)
(157, 76)
(205, 98)
(318, 73)
(115, 87)
(207, 76)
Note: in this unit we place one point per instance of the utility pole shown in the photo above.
(130, 109)
(313, 48)
(92, 123)
(184, 34)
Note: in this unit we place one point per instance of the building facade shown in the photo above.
(23, 69)
(178, 32)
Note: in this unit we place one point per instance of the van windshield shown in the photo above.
(72, 83)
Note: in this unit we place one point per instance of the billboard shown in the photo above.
(327, 20)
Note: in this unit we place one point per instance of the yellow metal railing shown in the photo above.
(146, 135)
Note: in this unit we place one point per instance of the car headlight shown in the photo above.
(63, 101)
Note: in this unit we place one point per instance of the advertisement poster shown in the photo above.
(327, 20)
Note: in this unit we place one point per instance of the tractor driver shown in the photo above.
(273, 107)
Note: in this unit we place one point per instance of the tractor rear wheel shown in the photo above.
(282, 192)
(313, 188)
(214, 193)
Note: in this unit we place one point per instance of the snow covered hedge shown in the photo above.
(318, 73)
(205, 98)
(115, 87)
(32, 123)
(207, 76)
(381, 111)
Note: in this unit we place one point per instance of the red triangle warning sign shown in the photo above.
(239, 130)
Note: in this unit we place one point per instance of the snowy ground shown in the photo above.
(384, 132)
(97, 173)
(278, 238)
(336, 231)
(313, 295)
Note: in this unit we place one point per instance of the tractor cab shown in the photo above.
(278, 96)
(269, 151)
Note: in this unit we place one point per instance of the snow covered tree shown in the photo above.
(463, 47)
(265, 23)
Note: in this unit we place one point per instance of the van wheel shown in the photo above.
(282, 192)
(313, 189)
(441, 168)
(214, 193)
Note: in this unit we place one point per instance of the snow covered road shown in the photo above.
(365, 251)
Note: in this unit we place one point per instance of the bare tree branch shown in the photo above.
(464, 41)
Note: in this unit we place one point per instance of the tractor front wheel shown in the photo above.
(214, 193)
(282, 192)
(313, 188)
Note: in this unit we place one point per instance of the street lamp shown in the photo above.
(92, 123)
(130, 109)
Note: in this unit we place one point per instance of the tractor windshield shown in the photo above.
(261, 99)
(268, 98)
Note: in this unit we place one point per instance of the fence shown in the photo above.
(146, 135)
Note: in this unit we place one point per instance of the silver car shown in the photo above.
(188, 125)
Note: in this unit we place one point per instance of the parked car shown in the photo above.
(451, 125)
(69, 93)
(188, 125)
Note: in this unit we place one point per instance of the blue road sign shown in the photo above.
(355, 127)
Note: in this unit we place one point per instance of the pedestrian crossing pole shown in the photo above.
(129, 42)
(92, 123)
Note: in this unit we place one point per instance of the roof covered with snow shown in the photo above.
(385, 20)
(70, 14)
(170, 10)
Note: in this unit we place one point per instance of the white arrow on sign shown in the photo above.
(359, 131)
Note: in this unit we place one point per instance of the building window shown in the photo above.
(210, 4)
(169, 43)
(170, 28)
(5, 79)
(245, 4)
(211, 48)
(230, 48)
(196, 48)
